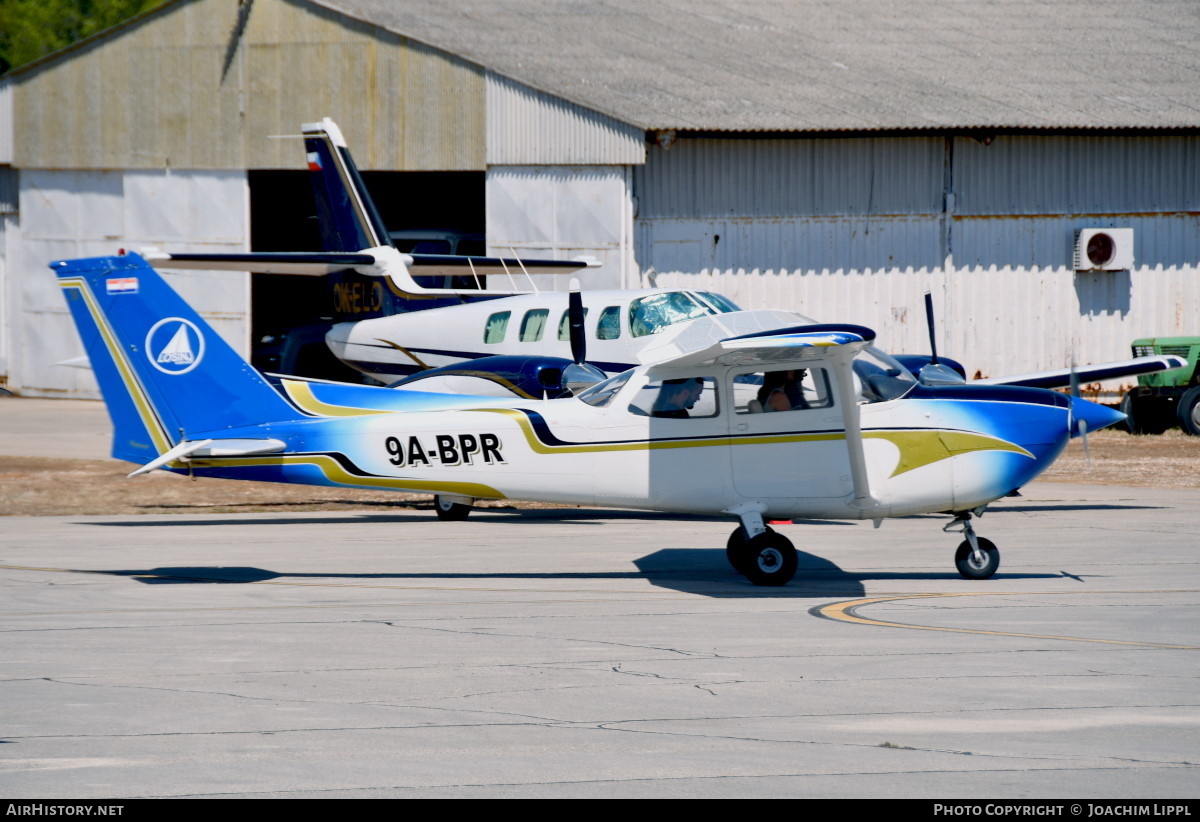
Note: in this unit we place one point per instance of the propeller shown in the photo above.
(575, 323)
(934, 373)
(1080, 422)
(578, 375)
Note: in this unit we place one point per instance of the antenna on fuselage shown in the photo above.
(1080, 423)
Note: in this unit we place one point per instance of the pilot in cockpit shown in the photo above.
(676, 397)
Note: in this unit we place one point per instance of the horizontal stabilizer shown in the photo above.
(213, 448)
(1089, 373)
(376, 262)
(307, 264)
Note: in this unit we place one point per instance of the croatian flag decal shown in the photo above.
(122, 285)
(314, 161)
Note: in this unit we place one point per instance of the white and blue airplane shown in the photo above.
(757, 415)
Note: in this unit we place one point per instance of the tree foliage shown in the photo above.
(30, 29)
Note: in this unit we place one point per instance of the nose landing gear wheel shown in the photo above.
(972, 567)
(448, 511)
(768, 559)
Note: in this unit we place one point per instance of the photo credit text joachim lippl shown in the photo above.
(1082, 810)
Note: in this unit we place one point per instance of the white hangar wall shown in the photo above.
(558, 183)
(857, 229)
(65, 214)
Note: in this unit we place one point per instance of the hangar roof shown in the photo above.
(831, 65)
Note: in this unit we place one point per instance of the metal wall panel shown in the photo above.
(528, 127)
(205, 84)
(68, 214)
(7, 230)
(1076, 175)
(999, 260)
(6, 124)
(786, 178)
(561, 212)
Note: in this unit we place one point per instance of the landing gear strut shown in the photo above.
(976, 557)
(759, 553)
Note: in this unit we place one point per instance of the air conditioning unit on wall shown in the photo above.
(1103, 249)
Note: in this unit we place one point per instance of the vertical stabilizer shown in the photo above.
(162, 368)
(348, 217)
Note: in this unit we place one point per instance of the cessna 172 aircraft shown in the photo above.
(754, 414)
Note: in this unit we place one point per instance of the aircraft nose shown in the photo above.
(1096, 416)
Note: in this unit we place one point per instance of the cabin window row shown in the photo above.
(533, 325)
(751, 392)
(647, 315)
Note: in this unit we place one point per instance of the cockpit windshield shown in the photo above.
(654, 313)
(600, 394)
(881, 378)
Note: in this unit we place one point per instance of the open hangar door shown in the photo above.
(290, 315)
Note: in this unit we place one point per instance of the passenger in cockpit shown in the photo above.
(781, 391)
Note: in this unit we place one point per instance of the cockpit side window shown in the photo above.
(678, 398)
(797, 389)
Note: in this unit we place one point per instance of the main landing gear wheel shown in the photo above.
(448, 511)
(736, 550)
(768, 559)
(974, 567)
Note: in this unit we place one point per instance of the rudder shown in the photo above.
(162, 369)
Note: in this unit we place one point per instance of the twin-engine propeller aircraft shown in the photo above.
(403, 313)
(754, 414)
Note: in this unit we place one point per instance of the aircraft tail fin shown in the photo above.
(347, 215)
(164, 372)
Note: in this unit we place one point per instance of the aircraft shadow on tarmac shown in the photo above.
(516, 516)
(701, 571)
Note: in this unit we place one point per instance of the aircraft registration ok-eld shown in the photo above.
(754, 414)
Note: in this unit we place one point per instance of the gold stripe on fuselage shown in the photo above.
(335, 472)
(917, 447)
(301, 394)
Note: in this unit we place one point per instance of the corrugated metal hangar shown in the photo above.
(838, 158)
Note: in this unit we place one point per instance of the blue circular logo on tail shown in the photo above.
(174, 345)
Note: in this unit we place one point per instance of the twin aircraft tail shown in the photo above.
(165, 374)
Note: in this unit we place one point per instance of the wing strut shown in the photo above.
(848, 398)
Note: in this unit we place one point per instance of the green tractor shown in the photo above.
(1166, 398)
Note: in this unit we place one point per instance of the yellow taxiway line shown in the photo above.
(847, 612)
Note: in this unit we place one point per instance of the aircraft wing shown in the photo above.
(781, 345)
(1089, 373)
